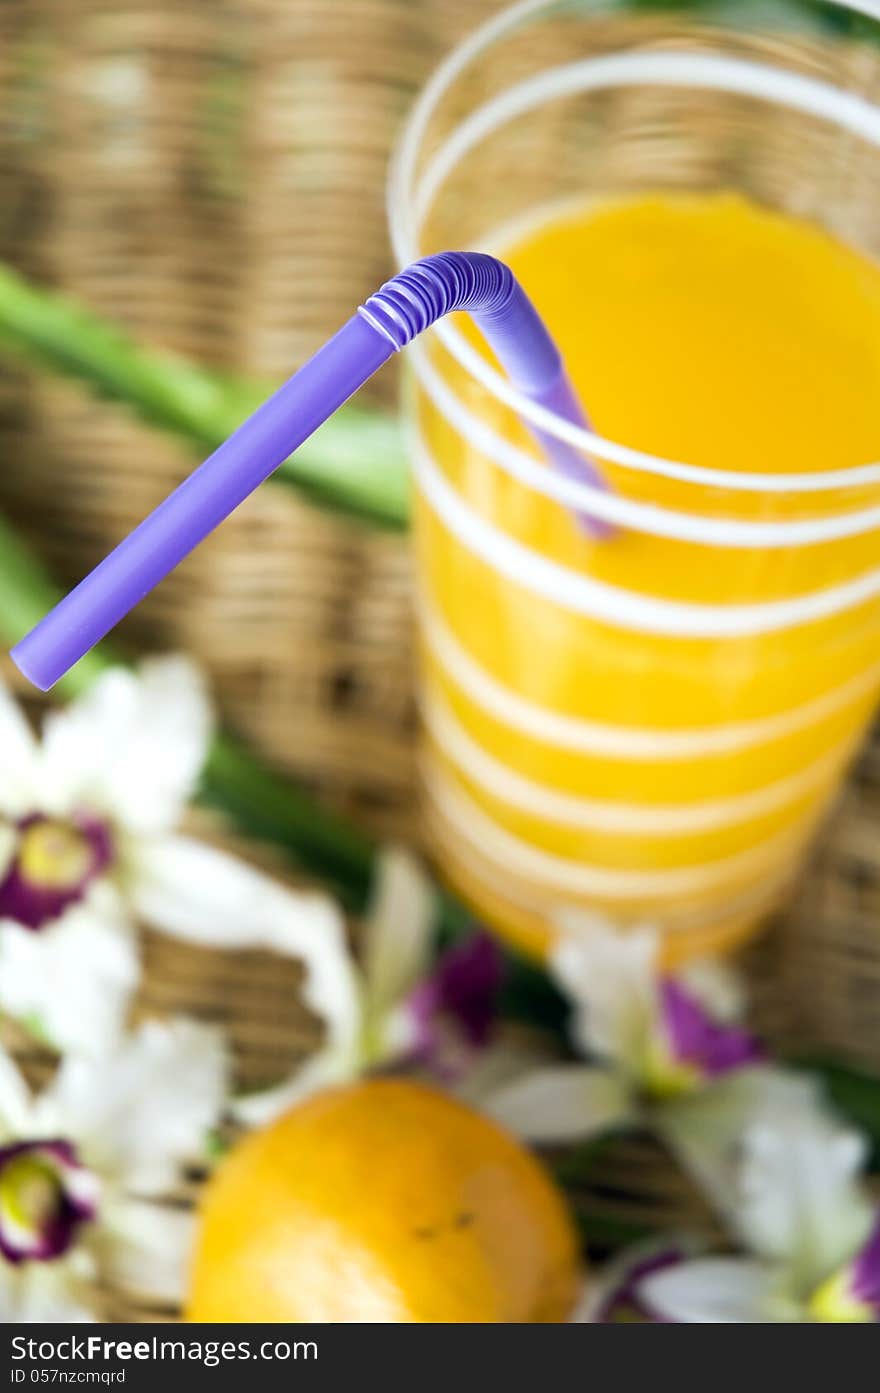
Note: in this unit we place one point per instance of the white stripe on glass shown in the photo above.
(626, 742)
(582, 497)
(579, 878)
(749, 903)
(610, 604)
(604, 816)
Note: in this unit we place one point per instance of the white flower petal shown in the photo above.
(388, 1040)
(133, 747)
(15, 1100)
(145, 1110)
(705, 1129)
(45, 1293)
(799, 1200)
(195, 892)
(72, 981)
(584, 1312)
(19, 758)
(146, 1249)
(610, 977)
(515, 1050)
(397, 941)
(711, 1291)
(717, 987)
(207, 897)
(565, 1102)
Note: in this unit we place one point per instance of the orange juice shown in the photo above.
(647, 725)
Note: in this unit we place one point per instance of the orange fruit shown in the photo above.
(383, 1201)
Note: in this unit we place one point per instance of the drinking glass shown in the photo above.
(637, 701)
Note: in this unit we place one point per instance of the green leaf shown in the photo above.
(355, 463)
(575, 1163)
(800, 16)
(216, 1146)
(607, 1232)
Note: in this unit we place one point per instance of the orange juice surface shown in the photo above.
(648, 725)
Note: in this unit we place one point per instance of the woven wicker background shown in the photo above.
(211, 174)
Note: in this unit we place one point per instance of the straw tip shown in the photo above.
(32, 669)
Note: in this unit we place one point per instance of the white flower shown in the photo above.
(667, 1051)
(811, 1236)
(88, 845)
(85, 1164)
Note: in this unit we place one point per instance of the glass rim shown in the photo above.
(409, 199)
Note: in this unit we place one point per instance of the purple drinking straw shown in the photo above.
(405, 306)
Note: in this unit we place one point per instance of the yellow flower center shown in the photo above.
(30, 1193)
(54, 854)
(664, 1077)
(833, 1301)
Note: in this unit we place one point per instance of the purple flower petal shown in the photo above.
(33, 902)
(866, 1271)
(454, 1009)
(624, 1304)
(696, 1039)
(46, 1195)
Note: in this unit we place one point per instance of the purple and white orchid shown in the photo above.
(809, 1234)
(89, 847)
(85, 1165)
(667, 1052)
(391, 1008)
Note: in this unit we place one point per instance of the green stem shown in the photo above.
(355, 463)
(803, 17)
